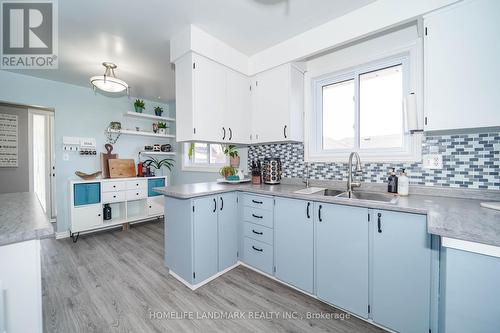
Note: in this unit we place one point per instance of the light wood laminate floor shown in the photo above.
(116, 281)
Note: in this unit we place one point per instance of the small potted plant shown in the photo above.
(162, 128)
(139, 105)
(227, 171)
(158, 111)
(158, 164)
(234, 158)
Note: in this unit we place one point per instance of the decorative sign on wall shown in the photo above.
(8, 140)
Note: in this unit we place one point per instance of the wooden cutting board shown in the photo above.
(121, 168)
(104, 160)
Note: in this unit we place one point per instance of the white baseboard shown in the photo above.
(198, 285)
(62, 234)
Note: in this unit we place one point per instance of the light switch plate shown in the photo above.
(432, 161)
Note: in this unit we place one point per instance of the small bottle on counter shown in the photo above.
(392, 182)
(403, 183)
(106, 212)
(256, 175)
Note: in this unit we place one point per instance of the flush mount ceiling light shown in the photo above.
(108, 82)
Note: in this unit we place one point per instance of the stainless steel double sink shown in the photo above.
(362, 195)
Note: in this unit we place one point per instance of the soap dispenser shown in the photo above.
(403, 183)
(392, 182)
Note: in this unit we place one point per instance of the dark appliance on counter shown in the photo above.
(272, 172)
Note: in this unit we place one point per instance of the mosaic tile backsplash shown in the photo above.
(469, 161)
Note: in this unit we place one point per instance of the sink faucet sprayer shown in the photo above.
(350, 183)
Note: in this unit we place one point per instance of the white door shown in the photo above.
(237, 116)
(209, 100)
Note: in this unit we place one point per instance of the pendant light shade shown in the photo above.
(108, 82)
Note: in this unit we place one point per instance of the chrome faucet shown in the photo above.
(350, 183)
(305, 180)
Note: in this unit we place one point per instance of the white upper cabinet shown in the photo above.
(237, 118)
(461, 66)
(277, 105)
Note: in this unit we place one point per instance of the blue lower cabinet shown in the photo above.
(228, 229)
(86, 194)
(205, 236)
(341, 252)
(155, 182)
(293, 247)
(401, 264)
(471, 293)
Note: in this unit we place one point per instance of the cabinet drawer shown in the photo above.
(155, 206)
(108, 197)
(259, 216)
(86, 217)
(258, 255)
(259, 232)
(137, 194)
(137, 184)
(257, 201)
(113, 186)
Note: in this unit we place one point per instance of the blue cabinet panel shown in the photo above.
(228, 230)
(205, 236)
(341, 252)
(401, 261)
(293, 227)
(155, 182)
(86, 193)
(471, 293)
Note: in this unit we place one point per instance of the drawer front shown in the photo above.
(258, 255)
(86, 217)
(259, 232)
(257, 201)
(136, 194)
(136, 184)
(113, 186)
(86, 194)
(258, 216)
(155, 182)
(155, 206)
(108, 197)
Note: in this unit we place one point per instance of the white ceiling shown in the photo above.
(135, 34)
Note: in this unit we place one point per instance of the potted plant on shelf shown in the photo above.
(227, 171)
(158, 111)
(234, 158)
(139, 105)
(162, 128)
(158, 164)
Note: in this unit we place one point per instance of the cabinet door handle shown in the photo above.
(221, 203)
(114, 196)
(379, 223)
(224, 135)
(308, 205)
(284, 131)
(98, 214)
(256, 249)
(319, 213)
(257, 233)
(257, 202)
(215, 205)
(257, 216)
(230, 134)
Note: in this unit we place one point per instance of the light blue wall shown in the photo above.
(78, 112)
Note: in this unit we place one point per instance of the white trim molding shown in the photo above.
(480, 248)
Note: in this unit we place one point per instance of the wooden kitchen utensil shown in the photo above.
(104, 160)
(121, 168)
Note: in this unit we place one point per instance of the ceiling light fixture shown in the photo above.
(108, 82)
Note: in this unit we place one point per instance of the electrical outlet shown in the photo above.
(433, 161)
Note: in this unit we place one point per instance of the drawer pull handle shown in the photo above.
(256, 249)
(257, 216)
(137, 193)
(114, 196)
(257, 233)
(257, 202)
(114, 186)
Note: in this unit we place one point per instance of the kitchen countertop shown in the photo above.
(447, 217)
(22, 218)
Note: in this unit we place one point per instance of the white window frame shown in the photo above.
(188, 165)
(412, 143)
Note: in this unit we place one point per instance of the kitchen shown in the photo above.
(330, 170)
